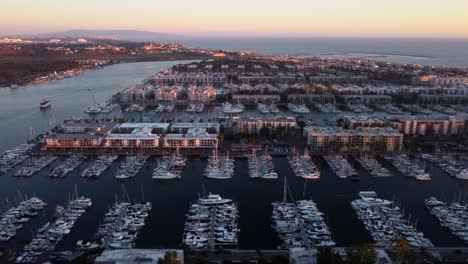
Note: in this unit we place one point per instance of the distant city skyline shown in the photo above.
(298, 18)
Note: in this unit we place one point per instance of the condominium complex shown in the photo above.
(253, 125)
(135, 136)
(337, 140)
(423, 125)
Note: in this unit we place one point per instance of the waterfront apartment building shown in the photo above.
(322, 140)
(366, 99)
(353, 122)
(311, 98)
(254, 125)
(196, 137)
(87, 127)
(183, 128)
(435, 80)
(135, 135)
(423, 125)
(167, 93)
(172, 78)
(72, 141)
(137, 93)
(256, 98)
(203, 94)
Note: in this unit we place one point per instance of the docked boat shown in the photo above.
(34, 165)
(130, 167)
(298, 108)
(229, 108)
(211, 217)
(51, 234)
(340, 166)
(166, 170)
(67, 166)
(372, 166)
(385, 221)
(261, 166)
(409, 168)
(220, 168)
(303, 166)
(101, 164)
(263, 108)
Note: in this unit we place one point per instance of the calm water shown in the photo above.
(449, 52)
(18, 109)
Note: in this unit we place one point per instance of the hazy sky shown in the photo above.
(413, 18)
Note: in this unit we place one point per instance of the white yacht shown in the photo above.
(298, 108)
(166, 171)
(463, 174)
(229, 108)
(274, 108)
(422, 175)
(370, 198)
(263, 108)
(45, 104)
(213, 199)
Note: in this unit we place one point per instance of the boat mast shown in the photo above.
(285, 191)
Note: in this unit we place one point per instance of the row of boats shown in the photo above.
(261, 166)
(414, 108)
(67, 166)
(229, 108)
(372, 166)
(120, 227)
(410, 169)
(105, 108)
(298, 108)
(169, 167)
(14, 218)
(266, 109)
(195, 108)
(341, 167)
(327, 108)
(101, 164)
(303, 166)
(391, 109)
(300, 225)
(211, 222)
(219, 167)
(444, 109)
(359, 108)
(454, 216)
(135, 108)
(34, 165)
(385, 221)
(165, 108)
(49, 235)
(448, 164)
(130, 167)
(13, 157)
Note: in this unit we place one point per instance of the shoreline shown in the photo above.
(78, 71)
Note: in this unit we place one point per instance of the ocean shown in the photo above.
(425, 51)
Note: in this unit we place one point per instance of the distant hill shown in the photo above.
(130, 35)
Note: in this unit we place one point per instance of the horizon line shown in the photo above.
(243, 34)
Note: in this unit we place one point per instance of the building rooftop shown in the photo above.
(67, 136)
(137, 256)
(336, 131)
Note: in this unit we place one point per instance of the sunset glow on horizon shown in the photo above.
(416, 18)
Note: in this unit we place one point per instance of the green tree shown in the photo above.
(327, 255)
(170, 257)
(363, 254)
(279, 259)
(401, 248)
